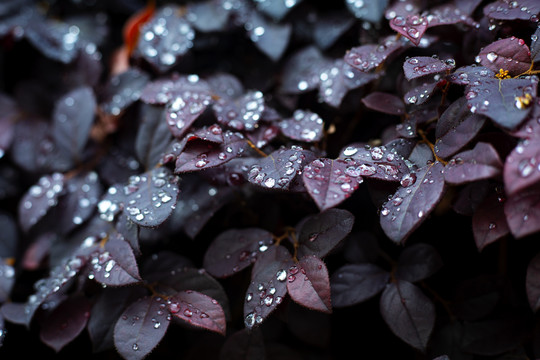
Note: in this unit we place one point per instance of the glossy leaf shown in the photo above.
(522, 211)
(455, 128)
(329, 182)
(198, 310)
(66, 322)
(419, 66)
(377, 162)
(355, 283)
(535, 45)
(367, 57)
(532, 283)
(235, 249)
(481, 162)
(318, 234)
(412, 27)
(153, 136)
(510, 54)
(151, 197)
(267, 287)
(308, 284)
(418, 262)
(384, 102)
(521, 166)
(415, 202)
(141, 327)
(242, 113)
(301, 71)
(449, 14)
(304, 125)
(420, 94)
(522, 10)
(489, 222)
(122, 90)
(114, 264)
(408, 312)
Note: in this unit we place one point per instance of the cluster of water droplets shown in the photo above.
(186, 310)
(279, 169)
(425, 65)
(41, 197)
(109, 206)
(87, 192)
(304, 126)
(510, 10)
(243, 113)
(412, 26)
(185, 108)
(165, 37)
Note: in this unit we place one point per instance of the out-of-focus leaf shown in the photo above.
(532, 283)
(367, 57)
(521, 166)
(489, 221)
(304, 125)
(522, 211)
(418, 262)
(354, 283)
(242, 113)
(271, 38)
(367, 10)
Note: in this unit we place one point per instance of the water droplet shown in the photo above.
(491, 56)
(281, 275)
(135, 347)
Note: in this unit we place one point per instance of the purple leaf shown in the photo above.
(418, 262)
(411, 204)
(122, 90)
(271, 38)
(265, 133)
(522, 211)
(329, 182)
(531, 127)
(356, 283)
(470, 196)
(489, 222)
(235, 249)
(141, 327)
(377, 162)
(384, 102)
(242, 113)
(308, 284)
(507, 102)
(304, 125)
(280, 168)
(371, 11)
(368, 57)
(245, 344)
(65, 322)
(510, 54)
(521, 166)
(301, 71)
(421, 93)
(448, 14)
(455, 128)
(403, 8)
(268, 285)
(330, 27)
(208, 16)
(153, 136)
(408, 312)
(165, 38)
(412, 27)
(467, 6)
(114, 264)
(481, 162)
(535, 46)
(225, 85)
(198, 310)
(419, 66)
(318, 234)
(199, 155)
(532, 283)
(39, 199)
(513, 10)
(72, 119)
(7, 280)
(469, 74)
(151, 197)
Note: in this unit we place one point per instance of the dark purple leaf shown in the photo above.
(199, 155)
(412, 203)
(111, 203)
(304, 125)
(39, 199)
(318, 234)
(65, 322)
(198, 310)
(510, 54)
(338, 79)
(265, 133)
(531, 127)
(455, 128)
(533, 283)
(355, 283)
(467, 6)
(419, 66)
(141, 327)
(513, 10)
(522, 211)
(368, 57)
(301, 71)
(308, 284)
(153, 136)
(235, 249)
(418, 262)
(329, 182)
(114, 264)
(408, 312)
(448, 14)
(377, 162)
(151, 197)
(208, 16)
(477, 297)
(330, 27)
(507, 102)
(421, 155)
(225, 85)
(421, 93)
(165, 38)
(7, 280)
(280, 168)
(521, 166)
(122, 90)
(403, 8)
(412, 27)
(481, 162)
(10, 111)
(268, 285)
(10, 236)
(384, 102)
(369, 10)
(470, 196)
(242, 113)
(245, 344)
(535, 46)
(489, 222)
(469, 74)
(271, 38)
(72, 119)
